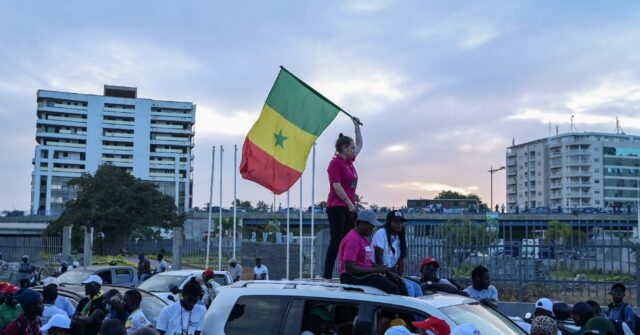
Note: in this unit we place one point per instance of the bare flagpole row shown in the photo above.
(213, 157)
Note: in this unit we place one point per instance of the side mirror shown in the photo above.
(171, 298)
(527, 315)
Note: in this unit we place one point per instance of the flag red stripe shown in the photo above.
(260, 167)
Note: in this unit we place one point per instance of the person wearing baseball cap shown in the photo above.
(432, 326)
(91, 309)
(355, 256)
(430, 281)
(28, 323)
(390, 246)
(10, 310)
(61, 302)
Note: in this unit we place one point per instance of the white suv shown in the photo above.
(292, 307)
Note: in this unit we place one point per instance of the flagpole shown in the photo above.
(313, 208)
(220, 216)
(300, 260)
(318, 93)
(288, 235)
(213, 156)
(235, 187)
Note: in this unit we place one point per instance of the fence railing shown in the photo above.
(44, 253)
(525, 262)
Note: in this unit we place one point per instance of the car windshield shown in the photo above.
(161, 283)
(487, 320)
(74, 277)
(151, 307)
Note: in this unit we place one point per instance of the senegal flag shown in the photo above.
(275, 151)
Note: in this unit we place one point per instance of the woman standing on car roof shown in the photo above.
(341, 203)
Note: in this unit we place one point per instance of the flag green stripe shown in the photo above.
(300, 105)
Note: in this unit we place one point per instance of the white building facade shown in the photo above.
(76, 133)
(574, 171)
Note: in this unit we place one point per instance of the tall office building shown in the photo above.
(76, 133)
(573, 171)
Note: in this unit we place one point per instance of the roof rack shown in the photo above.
(301, 283)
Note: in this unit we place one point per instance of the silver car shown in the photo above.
(125, 276)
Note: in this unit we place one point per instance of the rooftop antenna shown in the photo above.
(557, 132)
(619, 130)
(513, 140)
(549, 128)
(572, 129)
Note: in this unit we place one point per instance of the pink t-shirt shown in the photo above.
(342, 171)
(355, 248)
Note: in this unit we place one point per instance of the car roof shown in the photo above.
(103, 267)
(79, 289)
(180, 272)
(337, 291)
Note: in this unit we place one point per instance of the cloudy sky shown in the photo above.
(441, 87)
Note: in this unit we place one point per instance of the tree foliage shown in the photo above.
(118, 205)
(262, 206)
(246, 205)
(561, 233)
(457, 195)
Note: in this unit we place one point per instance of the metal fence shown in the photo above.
(193, 251)
(45, 253)
(571, 263)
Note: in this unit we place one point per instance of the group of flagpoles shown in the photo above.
(301, 209)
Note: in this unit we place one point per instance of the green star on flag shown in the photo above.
(280, 139)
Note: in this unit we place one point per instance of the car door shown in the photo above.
(381, 316)
(124, 277)
(321, 315)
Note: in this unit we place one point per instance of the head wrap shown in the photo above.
(27, 298)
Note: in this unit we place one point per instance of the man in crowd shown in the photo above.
(28, 323)
(235, 269)
(10, 310)
(144, 268)
(136, 319)
(481, 288)
(184, 316)
(61, 302)
(356, 255)
(162, 264)
(260, 271)
(59, 324)
(430, 280)
(618, 309)
(25, 272)
(49, 296)
(91, 309)
(208, 291)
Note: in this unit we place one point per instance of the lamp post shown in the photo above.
(492, 171)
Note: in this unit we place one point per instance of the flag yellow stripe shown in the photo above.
(296, 146)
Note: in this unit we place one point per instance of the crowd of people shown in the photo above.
(26, 311)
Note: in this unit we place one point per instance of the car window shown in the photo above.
(161, 283)
(220, 279)
(321, 317)
(105, 275)
(257, 315)
(124, 276)
(487, 320)
(384, 315)
(74, 277)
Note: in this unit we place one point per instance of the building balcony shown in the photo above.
(118, 123)
(167, 151)
(116, 159)
(119, 110)
(52, 109)
(44, 134)
(70, 170)
(65, 144)
(577, 152)
(174, 143)
(555, 185)
(172, 117)
(556, 196)
(117, 147)
(171, 130)
(66, 119)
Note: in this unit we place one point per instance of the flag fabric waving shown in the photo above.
(275, 151)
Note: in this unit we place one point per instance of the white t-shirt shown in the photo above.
(174, 319)
(49, 311)
(490, 293)
(135, 321)
(379, 240)
(260, 270)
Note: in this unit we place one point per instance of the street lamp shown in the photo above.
(492, 171)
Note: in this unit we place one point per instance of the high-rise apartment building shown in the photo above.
(573, 171)
(76, 133)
